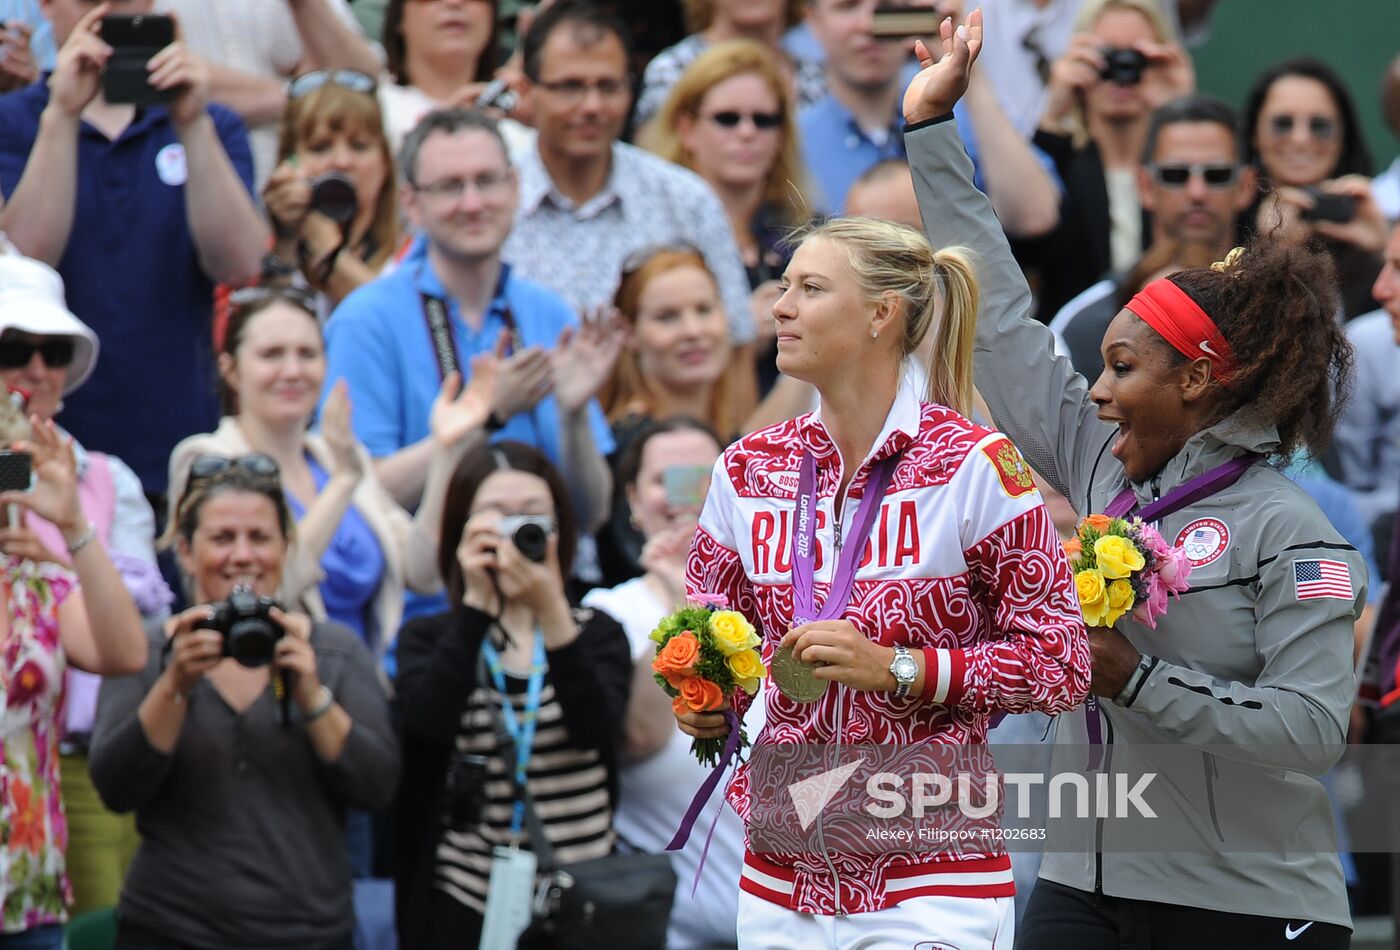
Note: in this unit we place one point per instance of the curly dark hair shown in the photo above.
(1277, 306)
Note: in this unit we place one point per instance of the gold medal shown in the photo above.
(794, 678)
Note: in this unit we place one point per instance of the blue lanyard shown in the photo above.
(521, 730)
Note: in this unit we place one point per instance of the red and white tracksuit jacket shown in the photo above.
(963, 562)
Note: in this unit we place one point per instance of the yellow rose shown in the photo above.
(1093, 600)
(732, 632)
(747, 669)
(1117, 557)
(1120, 601)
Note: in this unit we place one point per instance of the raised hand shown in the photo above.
(1169, 74)
(1072, 75)
(287, 198)
(77, 72)
(584, 357)
(55, 494)
(17, 66)
(940, 83)
(521, 379)
(457, 411)
(339, 436)
(177, 68)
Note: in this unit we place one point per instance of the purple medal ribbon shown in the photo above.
(804, 549)
(804, 559)
(1124, 505)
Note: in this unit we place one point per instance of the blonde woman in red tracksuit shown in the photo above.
(960, 605)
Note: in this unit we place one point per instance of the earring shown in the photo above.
(874, 334)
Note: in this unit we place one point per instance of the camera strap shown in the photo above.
(440, 326)
(520, 730)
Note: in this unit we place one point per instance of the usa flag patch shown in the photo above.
(1315, 579)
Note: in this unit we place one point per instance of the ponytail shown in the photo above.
(950, 360)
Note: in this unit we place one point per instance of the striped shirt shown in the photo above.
(569, 786)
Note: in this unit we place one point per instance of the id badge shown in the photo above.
(508, 898)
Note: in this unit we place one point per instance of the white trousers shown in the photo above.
(920, 923)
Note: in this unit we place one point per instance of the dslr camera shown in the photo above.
(250, 633)
(1123, 66)
(529, 533)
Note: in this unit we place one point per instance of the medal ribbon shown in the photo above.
(804, 549)
(1124, 505)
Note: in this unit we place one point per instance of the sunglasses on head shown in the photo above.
(763, 121)
(56, 352)
(307, 83)
(254, 463)
(1216, 174)
(1319, 127)
(262, 294)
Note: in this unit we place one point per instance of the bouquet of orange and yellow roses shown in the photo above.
(703, 656)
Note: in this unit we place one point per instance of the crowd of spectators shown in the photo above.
(375, 277)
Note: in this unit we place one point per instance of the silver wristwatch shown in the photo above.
(905, 669)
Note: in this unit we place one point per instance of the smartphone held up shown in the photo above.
(134, 39)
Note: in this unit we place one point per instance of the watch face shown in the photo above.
(905, 668)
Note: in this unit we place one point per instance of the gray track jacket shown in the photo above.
(1251, 678)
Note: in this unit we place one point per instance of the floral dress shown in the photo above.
(33, 831)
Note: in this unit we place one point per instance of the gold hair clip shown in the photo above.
(1231, 260)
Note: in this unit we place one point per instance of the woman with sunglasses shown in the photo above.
(730, 119)
(510, 655)
(356, 550)
(1123, 62)
(46, 353)
(1240, 694)
(240, 773)
(1304, 137)
(332, 125)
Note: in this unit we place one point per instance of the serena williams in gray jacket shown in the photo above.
(1241, 693)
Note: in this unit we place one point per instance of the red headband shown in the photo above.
(1170, 311)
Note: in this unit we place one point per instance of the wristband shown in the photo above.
(84, 540)
(1131, 688)
(323, 705)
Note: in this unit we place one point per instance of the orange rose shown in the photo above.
(1099, 523)
(676, 660)
(1073, 547)
(701, 695)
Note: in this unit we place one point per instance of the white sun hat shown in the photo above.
(31, 300)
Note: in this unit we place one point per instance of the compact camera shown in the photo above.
(1123, 66)
(333, 195)
(464, 798)
(250, 633)
(529, 533)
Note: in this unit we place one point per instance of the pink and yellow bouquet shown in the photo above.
(1123, 566)
(703, 656)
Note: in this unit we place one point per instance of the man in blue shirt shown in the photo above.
(518, 345)
(860, 123)
(141, 210)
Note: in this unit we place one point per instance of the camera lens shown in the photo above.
(251, 642)
(333, 195)
(532, 541)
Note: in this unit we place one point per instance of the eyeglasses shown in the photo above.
(307, 83)
(488, 185)
(763, 121)
(260, 295)
(574, 90)
(1319, 126)
(254, 463)
(56, 352)
(1215, 174)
